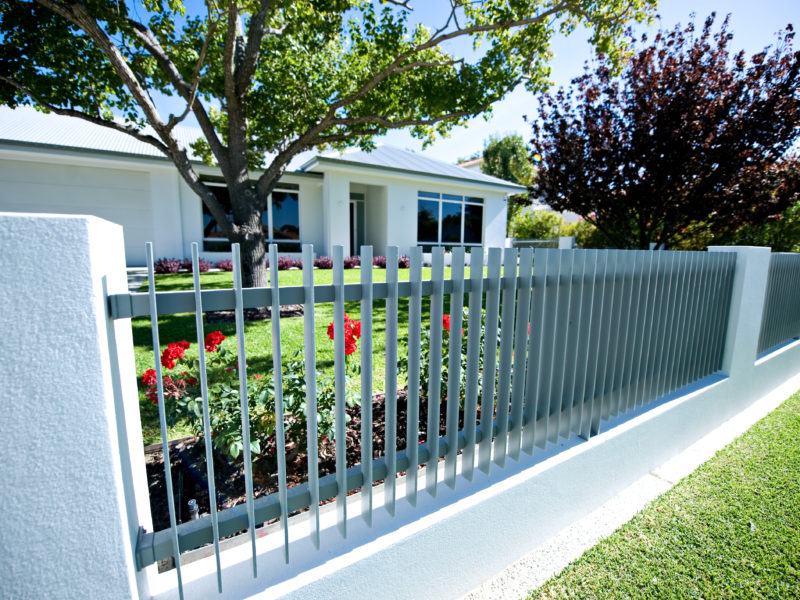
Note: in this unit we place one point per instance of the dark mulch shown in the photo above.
(261, 313)
(189, 466)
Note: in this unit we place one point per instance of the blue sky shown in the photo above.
(753, 23)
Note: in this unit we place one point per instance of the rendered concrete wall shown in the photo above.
(73, 482)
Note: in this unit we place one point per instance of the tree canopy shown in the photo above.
(267, 79)
(687, 133)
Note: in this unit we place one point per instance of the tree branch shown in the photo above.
(70, 112)
(255, 34)
(151, 44)
(435, 40)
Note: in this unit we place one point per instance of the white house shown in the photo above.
(55, 164)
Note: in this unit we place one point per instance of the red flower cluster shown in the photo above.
(172, 389)
(173, 352)
(352, 332)
(213, 340)
(446, 324)
(149, 377)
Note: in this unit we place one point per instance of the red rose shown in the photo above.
(446, 322)
(152, 393)
(149, 377)
(213, 340)
(330, 330)
(192, 381)
(355, 327)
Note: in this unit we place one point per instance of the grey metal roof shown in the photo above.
(389, 157)
(25, 125)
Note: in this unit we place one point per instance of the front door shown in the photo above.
(356, 223)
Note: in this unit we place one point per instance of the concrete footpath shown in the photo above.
(569, 544)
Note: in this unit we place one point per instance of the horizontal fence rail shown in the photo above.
(781, 319)
(555, 342)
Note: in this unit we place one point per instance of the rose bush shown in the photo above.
(183, 395)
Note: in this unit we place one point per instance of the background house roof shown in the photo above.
(389, 157)
(25, 125)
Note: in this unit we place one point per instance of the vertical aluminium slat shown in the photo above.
(626, 263)
(243, 401)
(201, 355)
(414, 336)
(650, 326)
(506, 350)
(587, 317)
(714, 310)
(628, 397)
(366, 383)
(390, 395)
(277, 370)
(563, 285)
(704, 316)
(557, 337)
(672, 272)
(644, 329)
(610, 406)
(691, 320)
(520, 350)
(534, 352)
(677, 349)
(310, 358)
(697, 311)
(572, 333)
(162, 416)
(589, 408)
(489, 374)
(588, 261)
(618, 325)
(340, 416)
(435, 371)
(770, 305)
(547, 276)
(600, 405)
(642, 277)
(454, 366)
(474, 327)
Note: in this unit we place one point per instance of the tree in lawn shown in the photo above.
(279, 76)
(687, 133)
(507, 158)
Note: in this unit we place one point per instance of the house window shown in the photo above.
(280, 222)
(449, 220)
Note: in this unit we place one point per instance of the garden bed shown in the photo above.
(188, 462)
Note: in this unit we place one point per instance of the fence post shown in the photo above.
(744, 318)
(566, 242)
(70, 507)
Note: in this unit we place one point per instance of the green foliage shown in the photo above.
(781, 233)
(425, 356)
(281, 77)
(729, 530)
(507, 158)
(539, 225)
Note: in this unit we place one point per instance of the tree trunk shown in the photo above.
(254, 262)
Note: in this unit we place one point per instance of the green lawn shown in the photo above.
(258, 335)
(730, 530)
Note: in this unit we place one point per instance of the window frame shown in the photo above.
(463, 201)
(268, 237)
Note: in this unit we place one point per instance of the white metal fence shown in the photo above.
(550, 351)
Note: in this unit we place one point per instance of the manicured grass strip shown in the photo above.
(730, 530)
